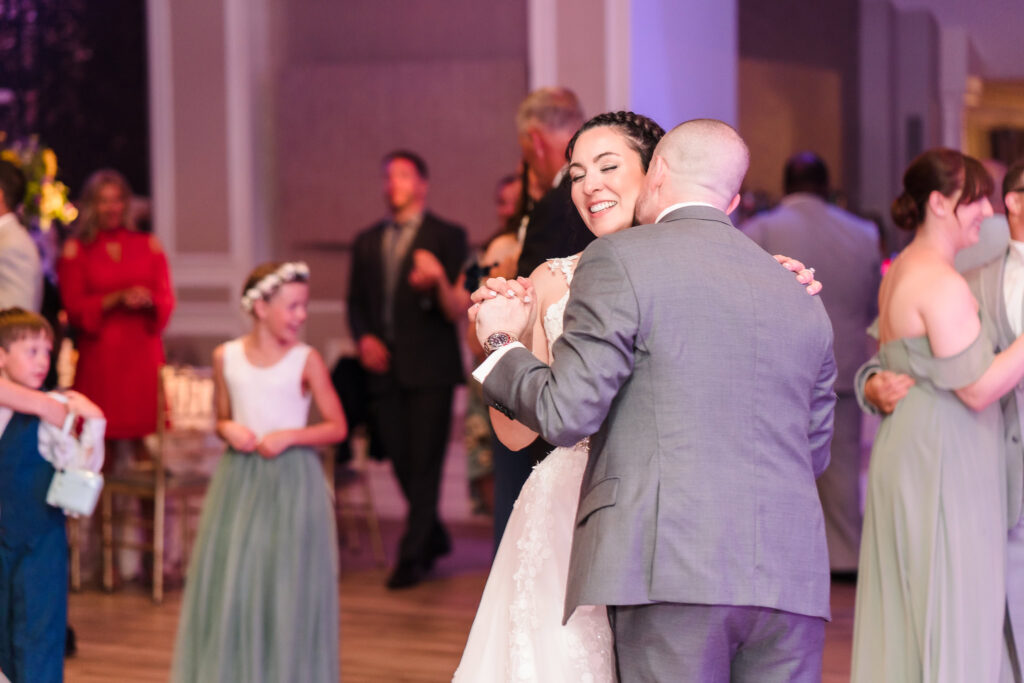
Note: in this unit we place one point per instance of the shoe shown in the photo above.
(848, 576)
(70, 644)
(440, 546)
(406, 575)
(440, 541)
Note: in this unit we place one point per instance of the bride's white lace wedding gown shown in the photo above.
(517, 634)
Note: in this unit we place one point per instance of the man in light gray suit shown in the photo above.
(703, 374)
(21, 274)
(999, 288)
(844, 249)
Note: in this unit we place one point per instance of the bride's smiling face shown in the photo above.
(606, 178)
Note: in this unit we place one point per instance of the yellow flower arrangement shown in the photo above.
(46, 198)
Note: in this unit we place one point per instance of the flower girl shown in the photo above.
(261, 600)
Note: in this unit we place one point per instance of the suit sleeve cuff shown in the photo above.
(484, 369)
(860, 381)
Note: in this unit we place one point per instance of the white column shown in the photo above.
(161, 119)
(684, 60)
(672, 60)
(617, 46)
(877, 108)
(223, 143)
(954, 57)
(542, 29)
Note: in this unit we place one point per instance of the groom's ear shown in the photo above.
(656, 173)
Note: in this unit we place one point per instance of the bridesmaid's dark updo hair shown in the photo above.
(641, 133)
(941, 170)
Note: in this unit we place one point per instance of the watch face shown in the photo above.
(497, 340)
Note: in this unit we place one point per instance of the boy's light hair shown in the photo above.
(17, 323)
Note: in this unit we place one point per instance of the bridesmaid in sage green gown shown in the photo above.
(931, 591)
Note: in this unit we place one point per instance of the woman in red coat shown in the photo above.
(117, 293)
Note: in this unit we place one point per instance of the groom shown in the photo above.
(703, 374)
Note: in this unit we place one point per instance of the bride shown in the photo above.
(518, 634)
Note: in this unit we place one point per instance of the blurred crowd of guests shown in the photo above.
(110, 290)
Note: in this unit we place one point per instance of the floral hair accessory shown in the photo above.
(294, 271)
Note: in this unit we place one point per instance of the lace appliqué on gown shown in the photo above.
(587, 638)
(555, 312)
(518, 633)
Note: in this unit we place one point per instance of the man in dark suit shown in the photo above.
(402, 302)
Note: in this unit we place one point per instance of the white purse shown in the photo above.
(75, 491)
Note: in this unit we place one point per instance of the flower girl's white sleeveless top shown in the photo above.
(267, 399)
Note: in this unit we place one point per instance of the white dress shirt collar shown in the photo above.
(10, 220)
(1017, 250)
(1013, 286)
(680, 205)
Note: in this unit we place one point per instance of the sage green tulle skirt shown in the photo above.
(261, 593)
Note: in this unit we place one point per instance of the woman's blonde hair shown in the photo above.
(88, 222)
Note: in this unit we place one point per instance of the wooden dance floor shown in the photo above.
(411, 635)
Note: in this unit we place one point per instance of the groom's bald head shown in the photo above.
(703, 160)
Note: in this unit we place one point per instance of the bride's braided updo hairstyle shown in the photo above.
(941, 170)
(641, 133)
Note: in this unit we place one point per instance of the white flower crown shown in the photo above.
(296, 271)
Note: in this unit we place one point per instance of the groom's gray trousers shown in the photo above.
(715, 644)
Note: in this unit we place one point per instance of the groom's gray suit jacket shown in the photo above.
(703, 373)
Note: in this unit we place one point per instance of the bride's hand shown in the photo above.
(804, 276)
(503, 306)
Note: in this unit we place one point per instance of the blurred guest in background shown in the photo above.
(998, 286)
(403, 302)
(499, 258)
(545, 122)
(21, 274)
(116, 289)
(844, 249)
(506, 198)
(931, 597)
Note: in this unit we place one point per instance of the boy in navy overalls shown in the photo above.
(33, 543)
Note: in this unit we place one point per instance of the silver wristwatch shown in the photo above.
(496, 341)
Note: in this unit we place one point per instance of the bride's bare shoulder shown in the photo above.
(548, 277)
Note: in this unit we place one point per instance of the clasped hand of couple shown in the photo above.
(501, 305)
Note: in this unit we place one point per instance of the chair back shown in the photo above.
(187, 420)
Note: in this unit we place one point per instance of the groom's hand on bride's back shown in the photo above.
(502, 305)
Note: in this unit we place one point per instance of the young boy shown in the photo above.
(33, 543)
